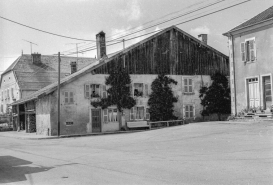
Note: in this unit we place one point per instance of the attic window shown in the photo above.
(73, 67)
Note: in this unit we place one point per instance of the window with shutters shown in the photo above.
(248, 50)
(95, 91)
(68, 97)
(188, 86)
(139, 113)
(140, 89)
(110, 115)
(189, 111)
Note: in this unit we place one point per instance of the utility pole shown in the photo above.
(59, 94)
(123, 40)
(30, 45)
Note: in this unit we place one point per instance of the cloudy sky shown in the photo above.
(83, 19)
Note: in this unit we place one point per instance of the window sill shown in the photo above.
(188, 93)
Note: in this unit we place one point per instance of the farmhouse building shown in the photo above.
(171, 51)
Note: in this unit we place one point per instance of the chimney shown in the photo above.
(73, 67)
(101, 46)
(204, 38)
(36, 58)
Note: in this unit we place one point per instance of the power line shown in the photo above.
(174, 25)
(44, 31)
(162, 22)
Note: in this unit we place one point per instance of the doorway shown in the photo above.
(96, 120)
(267, 94)
(253, 92)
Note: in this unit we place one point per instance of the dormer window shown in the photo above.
(73, 67)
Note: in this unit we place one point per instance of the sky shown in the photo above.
(83, 19)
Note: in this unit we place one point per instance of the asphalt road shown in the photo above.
(200, 153)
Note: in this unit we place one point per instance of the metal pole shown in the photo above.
(59, 101)
(30, 48)
(77, 51)
(123, 53)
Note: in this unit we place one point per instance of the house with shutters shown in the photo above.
(251, 67)
(172, 51)
(29, 73)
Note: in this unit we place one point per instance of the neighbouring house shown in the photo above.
(29, 73)
(171, 51)
(251, 67)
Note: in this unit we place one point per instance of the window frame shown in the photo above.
(133, 113)
(246, 55)
(145, 89)
(188, 85)
(185, 111)
(69, 97)
(108, 116)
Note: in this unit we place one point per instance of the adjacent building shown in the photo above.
(171, 51)
(251, 67)
(29, 73)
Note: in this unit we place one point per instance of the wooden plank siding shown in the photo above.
(171, 52)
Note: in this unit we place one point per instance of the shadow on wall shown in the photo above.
(13, 169)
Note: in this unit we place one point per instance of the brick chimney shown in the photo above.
(36, 58)
(204, 38)
(73, 66)
(101, 46)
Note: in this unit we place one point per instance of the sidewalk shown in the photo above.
(33, 136)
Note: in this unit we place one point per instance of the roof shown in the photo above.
(261, 17)
(32, 76)
(48, 89)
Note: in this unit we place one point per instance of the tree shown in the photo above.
(119, 92)
(216, 98)
(161, 99)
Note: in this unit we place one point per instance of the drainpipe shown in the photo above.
(234, 79)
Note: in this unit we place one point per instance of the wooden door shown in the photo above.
(96, 120)
(253, 92)
(267, 92)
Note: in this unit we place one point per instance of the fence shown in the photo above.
(159, 124)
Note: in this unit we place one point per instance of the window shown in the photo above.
(140, 89)
(95, 90)
(188, 85)
(139, 113)
(110, 115)
(2, 110)
(2, 94)
(73, 67)
(189, 111)
(68, 97)
(248, 50)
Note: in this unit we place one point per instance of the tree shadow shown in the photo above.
(13, 169)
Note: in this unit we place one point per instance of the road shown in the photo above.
(199, 153)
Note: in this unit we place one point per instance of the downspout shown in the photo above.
(233, 66)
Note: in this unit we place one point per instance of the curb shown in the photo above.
(75, 135)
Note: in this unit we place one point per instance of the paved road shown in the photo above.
(200, 153)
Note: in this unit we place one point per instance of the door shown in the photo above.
(253, 92)
(267, 92)
(96, 120)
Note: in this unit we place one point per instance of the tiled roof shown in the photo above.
(97, 64)
(36, 76)
(263, 16)
(36, 81)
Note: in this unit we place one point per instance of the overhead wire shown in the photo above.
(45, 31)
(90, 49)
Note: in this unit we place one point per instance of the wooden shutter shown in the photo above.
(71, 97)
(132, 89)
(247, 51)
(147, 114)
(146, 90)
(243, 53)
(252, 50)
(66, 100)
(184, 114)
(132, 113)
(185, 85)
(105, 115)
(12, 94)
(104, 92)
(87, 91)
(193, 111)
(190, 88)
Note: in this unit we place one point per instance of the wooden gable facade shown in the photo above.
(171, 51)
